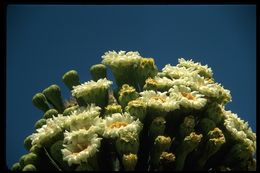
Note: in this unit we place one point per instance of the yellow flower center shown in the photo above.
(189, 96)
(150, 81)
(79, 148)
(159, 98)
(117, 124)
(147, 62)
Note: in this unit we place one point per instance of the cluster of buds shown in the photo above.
(153, 120)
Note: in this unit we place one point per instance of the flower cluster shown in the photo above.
(155, 120)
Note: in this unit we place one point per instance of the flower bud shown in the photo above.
(50, 113)
(29, 167)
(53, 95)
(129, 161)
(126, 94)
(27, 143)
(29, 158)
(113, 108)
(70, 79)
(187, 126)
(16, 167)
(98, 71)
(127, 143)
(35, 149)
(55, 152)
(40, 123)
(150, 84)
(189, 143)
(215, 139)
(40, 101)
(137, 108)
(205, 125)
(157, 127)
(166, 161)
(146, 68)
(162, 143)
(69, 110)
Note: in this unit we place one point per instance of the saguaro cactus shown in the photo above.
(170, 119)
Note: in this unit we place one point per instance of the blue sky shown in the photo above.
(45, 41)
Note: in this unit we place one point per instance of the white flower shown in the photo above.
(52, 127)
(88, 87)
(215, 90)
(79, 146)
(188, 98)
(159, 100)
(174, 72)
(240, 130)
(114, 59)
(118, 123)
(203, 70)
(86, 118)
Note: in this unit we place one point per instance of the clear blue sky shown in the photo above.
(45, 41)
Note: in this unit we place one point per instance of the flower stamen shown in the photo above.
(118, 124)
(189, 96)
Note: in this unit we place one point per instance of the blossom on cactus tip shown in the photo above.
(118, 123)
(93, 92)
(80, 146)
(157, 120)
(240, 130)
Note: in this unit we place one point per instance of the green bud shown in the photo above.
(162, 143)
(187, 126)
(137, 108)
(40, 123)
(126, 94)
(29, 167)
(157, 127)
(55, 152)
(215, 139)
(129, 161)
(16, 167)
(146, 68)
(27, 143)
(69, 110)
(127, 143)
(215, 112)
(205, 125)
(113, 108)
(188, 145)
(70, 79)
(84, 167)
(29, 158)
(150, 84)
(40, 101)
(166, 161)
(98, 71)
(35, 149)
(53, 95)
(191, 142)
(239, 155)
(50, 113)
